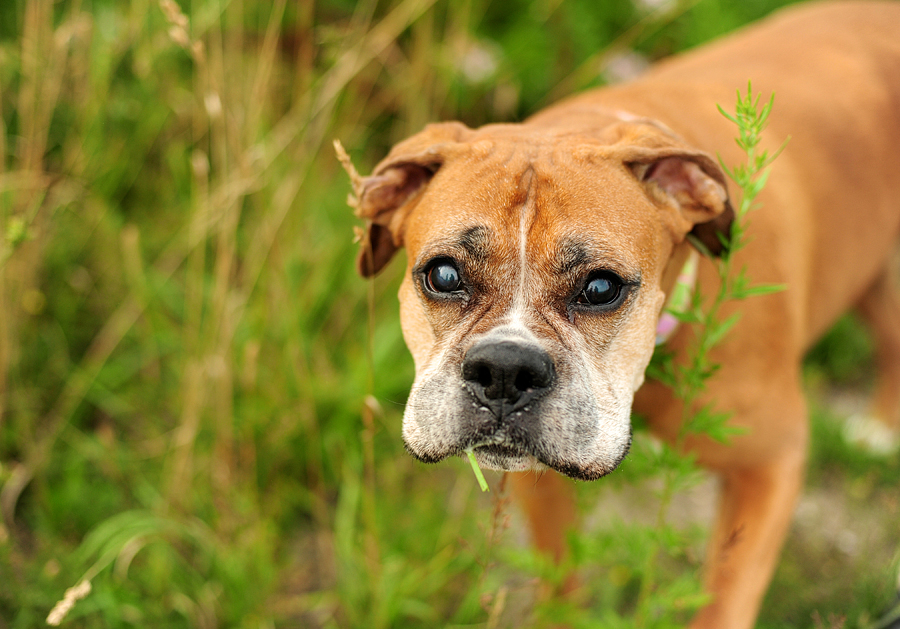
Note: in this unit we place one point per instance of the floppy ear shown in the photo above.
(674, 173)
(389, 194)
(696, 185)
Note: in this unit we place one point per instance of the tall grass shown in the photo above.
(189, 416)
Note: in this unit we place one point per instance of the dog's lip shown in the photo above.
(503, 449)
(505, 453)
(498, 443)
(506, 457)
(513, 456)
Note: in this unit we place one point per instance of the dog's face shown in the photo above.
(533, 284)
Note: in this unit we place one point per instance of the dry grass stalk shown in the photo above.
(64, 606)
(356, 181)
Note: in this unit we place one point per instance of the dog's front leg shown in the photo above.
(755, 511)
(879, 429)
(548, 502)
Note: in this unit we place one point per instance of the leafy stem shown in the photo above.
(688, 379)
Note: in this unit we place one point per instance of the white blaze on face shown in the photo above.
(527, 215)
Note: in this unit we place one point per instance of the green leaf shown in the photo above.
(759, 290)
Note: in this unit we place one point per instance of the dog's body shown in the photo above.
(541, 254)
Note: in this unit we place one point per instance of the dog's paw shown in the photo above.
(871, 435)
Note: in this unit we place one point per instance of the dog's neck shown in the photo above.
(678, 282)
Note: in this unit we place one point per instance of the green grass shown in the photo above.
(184, 364)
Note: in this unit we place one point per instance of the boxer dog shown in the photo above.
(541, 254)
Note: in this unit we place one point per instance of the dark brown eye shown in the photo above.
(443, 277)
(603, 289)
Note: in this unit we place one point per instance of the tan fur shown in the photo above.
(620, 176)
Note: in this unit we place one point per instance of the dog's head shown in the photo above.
(533, 285)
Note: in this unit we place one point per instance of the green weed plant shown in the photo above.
(688, 379)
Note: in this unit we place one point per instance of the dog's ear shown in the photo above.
(673, 172)
(389, 194)
(697, 185)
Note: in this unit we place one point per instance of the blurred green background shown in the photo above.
(187, 355)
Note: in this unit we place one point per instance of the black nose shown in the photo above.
(507, 375)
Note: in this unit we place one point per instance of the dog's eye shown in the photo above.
(602, 289)
(443, 277)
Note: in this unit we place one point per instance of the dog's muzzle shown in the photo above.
(505, 376)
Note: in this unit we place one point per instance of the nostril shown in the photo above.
(524, 380)
(483, 376)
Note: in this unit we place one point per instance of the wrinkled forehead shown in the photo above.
(566, 207)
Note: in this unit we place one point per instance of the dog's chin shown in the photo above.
(507, 459)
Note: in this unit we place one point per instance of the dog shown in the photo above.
(541, 256)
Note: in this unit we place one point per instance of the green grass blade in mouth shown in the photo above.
(481, 482)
